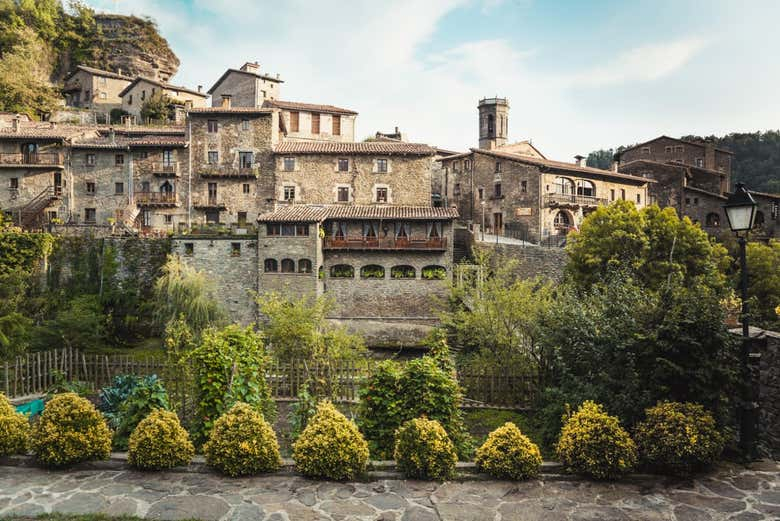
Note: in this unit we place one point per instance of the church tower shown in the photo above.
(493, 122)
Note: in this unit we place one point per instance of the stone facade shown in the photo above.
(94, 89)
(300, 127)
(768, 343)
(141, 90)
(246, 87)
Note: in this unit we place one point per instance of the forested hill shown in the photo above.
(41, 41)
(756, 158)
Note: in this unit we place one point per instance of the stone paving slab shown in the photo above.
(730, 493)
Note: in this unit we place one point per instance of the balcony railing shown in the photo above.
(207, 202)
(165, 169)
(40, 159)
(385, 243)
(151, 198)
(571, 199)
(229, 171)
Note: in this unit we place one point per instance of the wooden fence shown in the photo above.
(34, 373)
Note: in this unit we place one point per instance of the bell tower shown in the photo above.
(493, 122)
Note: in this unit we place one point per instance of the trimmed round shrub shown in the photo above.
(593, 443)
(69, 431)
(424, 451)
(159, 442)
(330, 446)
(509, 454)
(242, 443)
(14, 429)
(678, 438)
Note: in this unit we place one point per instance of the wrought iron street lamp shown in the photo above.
(741, 213)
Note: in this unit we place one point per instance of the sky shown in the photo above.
(579, 75)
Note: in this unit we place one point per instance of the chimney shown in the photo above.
(580, 160)
(226, 101)
(112, 136)
(188, 103)
(252, 67)
(709, 155)
(15, 123)
(119, 70)
(396, 130)
(615, 166)
(128, 120)
(200, 88)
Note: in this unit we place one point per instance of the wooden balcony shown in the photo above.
(45, 160)
(229, 171)
(163, 169)
(385, 243)
(553, 199)
(155, 198)
(208, 203)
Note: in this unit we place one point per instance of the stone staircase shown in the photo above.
(31, 213)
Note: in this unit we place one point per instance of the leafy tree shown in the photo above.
(764, 282)
(656, 245)
(158, 107)
(24, 75)
(183, 292)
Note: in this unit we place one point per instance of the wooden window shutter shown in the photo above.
(315, 123)
(336, 125)
(294, 121)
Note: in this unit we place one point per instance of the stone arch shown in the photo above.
(304, 266)
(372, 271)
(342, 271)
(288, 266)
(713, 220)
(403, 271)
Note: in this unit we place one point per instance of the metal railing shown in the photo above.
(384, 243)
(155, 197)
(165, 169)
(43, 159)
(579, 200)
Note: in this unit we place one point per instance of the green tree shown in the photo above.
(656, 245)
(601, 159)
(24, 75)
(158, 107)
(763, 282)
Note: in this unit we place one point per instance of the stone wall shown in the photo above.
(685, 152)
(233, 275)
(768, 343)
(535, 261)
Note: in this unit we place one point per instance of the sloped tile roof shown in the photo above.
(162, 85)
(230, 110)
(700, 144)
(99, 72)
(238, 71)
(124, 142)
(44, 130)
(307, 107)
(316, 213)
(363, 147)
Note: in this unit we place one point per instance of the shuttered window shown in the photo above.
(336, 125)
(315, 123)
(294, 121)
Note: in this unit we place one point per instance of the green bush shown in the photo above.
(330, 446)
(242, 443)
(147, 396)
(593, 443)
(509, 454)
(424, 451)
(394, 394)
(159, 442)
(69, 431)
(14, 429)
(678, 438)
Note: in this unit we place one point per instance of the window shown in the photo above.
(90, 160)
(481, 193)
(213, 157)
(119, 159)
(623, 193)
(381, 195)
(294, 121)
(102, 81)
(343, 194)
(679, 148)
(143, 154)
(523, 187)
(760, 219)
(189, 248)
(372, 271)
(498, 167)
(270, 266)
(245, 188)
(699, 162)
(90, 188)
(562, 221)
(467, 164)
(130, 99)
(302, 230)
(491, 125)
(286, 230)
(119, 188)
(289, 193)
(343, 165)
(381, 166)
(687, 200)
(645, 150)
(586, 188)
(563, 186)
(342, 271)
(611, 194)
(433, 272)
(288, 266)
(713, 220)
(497, 190)
(315, 123)
(212, 126)
(14, 183)
(696, 201)
(241, 216)
(456, 190)
(336, 125)
(638, 198)
(89, 215)
(244, 124)
(143, 95)
(212, 216)
(304, 266)
(168, 218)
(245, 159)
(103, 95)
(235, 249)
(289, 164)
(402, 272)
(167, 157)
(668, 150)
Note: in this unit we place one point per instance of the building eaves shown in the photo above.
(98, 72)
(363, 147)
(319, 213)
(705, 192)
(237, 71)
(230, 110)
(162, 85)
(308, 107)
(701, 144)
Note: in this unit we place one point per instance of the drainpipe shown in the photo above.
(130, 186)
(189, 171)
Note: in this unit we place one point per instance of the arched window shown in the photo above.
(562, 220)
(166, 187)
(586, 188)
(759, 221)
(402, 272)
(304, 266)
(713, 220)
(434, 272)
(491, 125)
(372, 271)
(271, 266)
(288, 266)
(564, 186)
(342, 271)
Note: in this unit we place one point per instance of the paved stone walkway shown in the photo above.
(730, 493)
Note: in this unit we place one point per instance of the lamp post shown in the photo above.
(741, 212)
(483, 221)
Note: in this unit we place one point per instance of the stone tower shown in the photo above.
(493, 122)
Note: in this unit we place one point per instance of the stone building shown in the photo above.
(141, 90)
(310, 122)
(95, 89)
(513, 189)
(246, 86)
